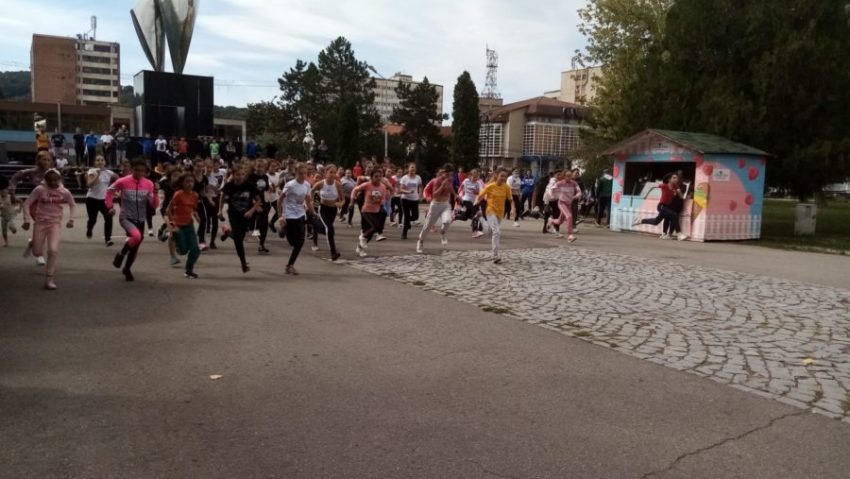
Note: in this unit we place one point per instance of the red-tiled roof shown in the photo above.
(538, 106)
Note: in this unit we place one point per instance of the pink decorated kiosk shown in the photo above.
(723, 183)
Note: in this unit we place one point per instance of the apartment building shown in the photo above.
(386, 98)
(79, 70)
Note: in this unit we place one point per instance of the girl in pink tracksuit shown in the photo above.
(565, 190)
(44, 205)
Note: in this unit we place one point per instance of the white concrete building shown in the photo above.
(386, 98)
(577, 86)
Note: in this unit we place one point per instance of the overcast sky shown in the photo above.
(247, 44)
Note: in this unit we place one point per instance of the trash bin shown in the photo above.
(805, 219)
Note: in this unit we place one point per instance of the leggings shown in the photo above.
(262, 222)
(359, 201)
(566, 216)
(238, 226)
(517, 207)
(410, 213)
(369, 225)
(395, 208)
(186, 242)
(345, 206)
(551, 211)
(327, 215)
(669, 216)
(49, 233)
(296, 229)
(209, 221)
(93, 207)
(437, 212)
(135, 235)
(526, 198)
(470, 214)
(602, 204)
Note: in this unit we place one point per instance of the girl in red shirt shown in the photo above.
(181, 214)
(669, 190)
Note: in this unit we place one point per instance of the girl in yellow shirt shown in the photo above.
(497, 194)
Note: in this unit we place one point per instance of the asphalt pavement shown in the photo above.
(338, 373)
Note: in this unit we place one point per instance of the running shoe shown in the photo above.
(363, 242)
(119, 260)
(664, 236)
(291, 270)
(571, 238)
(49, 285)
(516, 224)
(39, 260)
(150, 233)
(682, 237)
(245, 268)
(477, 234)
(213, 246)
(14, 230)
(203, 246)
(128, 275)
(444, 240)
(419, 247)
(335, 256)
(636, 221)
(174, 261)
(190, 275)
(380, 238)
(109, 243)
(360, 252)
(497, 260)
(263, 250)
(558, 235)
(314, 248)
(255, 233)
(88, 234)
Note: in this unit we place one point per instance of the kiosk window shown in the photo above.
(642, 176)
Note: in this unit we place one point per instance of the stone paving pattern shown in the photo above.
(779, 339)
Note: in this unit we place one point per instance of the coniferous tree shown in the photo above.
(466, 123)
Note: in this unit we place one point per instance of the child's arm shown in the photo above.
(72, 207)
(32, 198)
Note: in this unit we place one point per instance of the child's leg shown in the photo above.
(39, 236)
(91, 211)
(194, 250)
(446, 218)
(53, 235)
(495, 225)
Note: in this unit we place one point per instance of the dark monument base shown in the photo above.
(174, 105)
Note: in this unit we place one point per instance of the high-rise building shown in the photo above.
(386, 98)
(536, 133)
(577, 86)
(78, 70)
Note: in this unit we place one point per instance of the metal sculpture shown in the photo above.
(158, 20)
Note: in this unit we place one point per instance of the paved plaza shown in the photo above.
(403, 365)
(777, 338)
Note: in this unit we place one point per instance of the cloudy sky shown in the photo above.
(247, 44)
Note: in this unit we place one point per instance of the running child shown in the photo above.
(8, 211)
(497, 195)
(138, 195)
(469, 190)
(440, 209)
(98, 180)
(44, 205)
(296, 202)
(566, 190)
(243, 201)
(374, 193)
(330, 200)
(181, 214)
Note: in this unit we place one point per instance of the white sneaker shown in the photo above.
(558, 235)
(360, 252)
(664, 236)
(380, 238)
(314, 248)
(255, 233)
(419, 247)
(478, 234)
(150, 233)
(40, 261)
(444, 240)
(363, 242)
(636, 221)
(516, 224)
(682, 237)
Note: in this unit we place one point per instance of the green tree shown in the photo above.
(772, 77)
(316, 93)
(622, 36)
(417, 112)
(466, 123)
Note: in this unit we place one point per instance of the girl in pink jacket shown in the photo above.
(45, 206)
(138, 196)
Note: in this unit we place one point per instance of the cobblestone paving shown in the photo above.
(779, 339)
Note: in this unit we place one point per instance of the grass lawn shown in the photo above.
(832, 233)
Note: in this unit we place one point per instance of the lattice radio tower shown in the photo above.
(491, 90)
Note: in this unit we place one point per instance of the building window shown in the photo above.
(548, 139)
(491, 137)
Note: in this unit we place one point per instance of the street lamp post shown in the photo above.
(386, 131)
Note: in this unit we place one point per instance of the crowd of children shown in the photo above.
(205, 200)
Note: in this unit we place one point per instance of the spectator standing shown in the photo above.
(91, 147)
(161, 145)
(251, 149)
(107, 142)
(122, 137)
(148, 147)
(57, 143)
(79, 146)
(603, 196)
